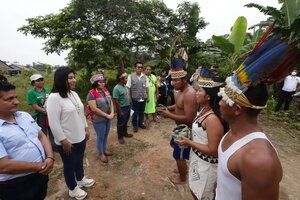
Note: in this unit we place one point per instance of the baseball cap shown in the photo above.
(35, 77)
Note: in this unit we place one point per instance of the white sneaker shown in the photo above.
(85, 182)
(78, 193)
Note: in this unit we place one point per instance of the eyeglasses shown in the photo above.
(39, 80)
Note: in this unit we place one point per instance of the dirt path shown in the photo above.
(139, 169)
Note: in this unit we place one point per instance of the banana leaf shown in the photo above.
(225, 46)
(238, 33)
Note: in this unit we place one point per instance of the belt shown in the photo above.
(20, 179)
(206, 158)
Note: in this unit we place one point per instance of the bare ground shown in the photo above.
(139, 169)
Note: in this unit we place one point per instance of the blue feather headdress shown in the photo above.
(179, 64)
(269, 62)
(207, 79)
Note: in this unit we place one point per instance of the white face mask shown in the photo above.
(294, 73)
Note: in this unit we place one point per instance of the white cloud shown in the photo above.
(14, 46)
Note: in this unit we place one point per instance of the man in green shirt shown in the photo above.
(122, 102)
(36, 97)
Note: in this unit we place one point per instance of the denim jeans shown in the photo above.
(122, 121)
(138, 115)
(102, 130)
(73, 163)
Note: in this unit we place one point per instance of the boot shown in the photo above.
(120, 131)
(126, 134)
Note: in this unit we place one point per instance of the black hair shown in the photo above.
(214, 100)
(136, 63)
(257, 95)
(95, 84)
(60, 84)
(3, 78)
(5, 87)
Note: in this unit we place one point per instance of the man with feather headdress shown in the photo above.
(249, 167)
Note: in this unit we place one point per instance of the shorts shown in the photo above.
(177, 149)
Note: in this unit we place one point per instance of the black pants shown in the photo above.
(284, 98)
(30, 187)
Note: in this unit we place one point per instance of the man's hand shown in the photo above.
(47, 166)
(164, 112)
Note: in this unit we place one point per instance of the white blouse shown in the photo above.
(66, 117)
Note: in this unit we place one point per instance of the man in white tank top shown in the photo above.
(249, 167)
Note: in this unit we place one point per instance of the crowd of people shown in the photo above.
(226, 145)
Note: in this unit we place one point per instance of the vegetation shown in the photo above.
(100, 33)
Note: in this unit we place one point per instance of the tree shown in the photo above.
(99, 32)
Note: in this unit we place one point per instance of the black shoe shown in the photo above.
(135, 129)
(128, 135)
(142, 126)
(121, 140)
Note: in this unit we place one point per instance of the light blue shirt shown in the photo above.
(19, 141)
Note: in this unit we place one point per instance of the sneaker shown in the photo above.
(85, 182)
(77, 193)
(142, 126)
(135, 129)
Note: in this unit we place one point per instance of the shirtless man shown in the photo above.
(182, 112)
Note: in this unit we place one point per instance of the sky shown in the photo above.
(16, 47)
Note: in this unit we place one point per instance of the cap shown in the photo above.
(35, 77)
(97, 77)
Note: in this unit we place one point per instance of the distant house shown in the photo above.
(14, 70)
(3, 67)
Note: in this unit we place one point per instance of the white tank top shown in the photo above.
(228, 186)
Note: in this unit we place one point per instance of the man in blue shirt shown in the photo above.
(26, 156)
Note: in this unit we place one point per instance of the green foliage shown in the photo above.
(238, 33)
(287, 19)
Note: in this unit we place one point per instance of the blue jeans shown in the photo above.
(138, 115)
(102, 130)
(73, 163)
(122, 121)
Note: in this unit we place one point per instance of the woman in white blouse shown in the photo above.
(69, 127)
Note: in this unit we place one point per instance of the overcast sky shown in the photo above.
(16, 47)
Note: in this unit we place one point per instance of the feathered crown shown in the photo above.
(178, 64)
(207, 79)
(270, 61)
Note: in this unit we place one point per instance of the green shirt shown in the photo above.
(121, 94)
(36, 97)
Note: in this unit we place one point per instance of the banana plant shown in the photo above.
(230, 48)
(287, 18)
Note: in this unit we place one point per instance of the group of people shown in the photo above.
(226, 147)
(230, 156)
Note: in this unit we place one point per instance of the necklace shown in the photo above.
(202, 113)
(74, 102)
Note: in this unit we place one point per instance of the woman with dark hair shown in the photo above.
(207, 131)
(69, 127)
(102, 112)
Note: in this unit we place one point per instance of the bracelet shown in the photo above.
(50, 158)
